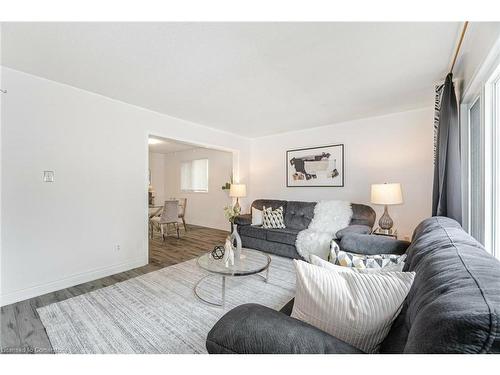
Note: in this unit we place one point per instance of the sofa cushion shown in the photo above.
(257, 216)
(362, 215)
(255, 329)
(347, 259)
(272, 203)
(357, 308)
(285, 235)
(353, 229)
(454, 303)
(243, 219)
(252, 231)
(317, 261)
(371, 244)
(277, 248)
(272, 218)
(298, 215)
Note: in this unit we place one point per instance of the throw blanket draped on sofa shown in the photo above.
(329, 218)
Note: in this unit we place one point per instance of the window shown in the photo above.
(194, 175)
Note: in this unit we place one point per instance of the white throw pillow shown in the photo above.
(256, 216)
(317, 261)
(357, 308)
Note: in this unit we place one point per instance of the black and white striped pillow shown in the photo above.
(272, 218)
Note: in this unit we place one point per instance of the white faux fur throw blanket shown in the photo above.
(329, 218)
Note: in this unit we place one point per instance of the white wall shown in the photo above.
(55, 235)
(205, 209)
(391, 148)
(2, 96)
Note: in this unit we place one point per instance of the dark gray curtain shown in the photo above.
(447, 189)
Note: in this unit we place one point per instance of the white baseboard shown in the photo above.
(38, 290)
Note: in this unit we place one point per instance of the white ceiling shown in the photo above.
(167, 146)
(251, 79)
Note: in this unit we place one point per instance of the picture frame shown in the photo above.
(321, 166)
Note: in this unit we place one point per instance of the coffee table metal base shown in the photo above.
(223, 288)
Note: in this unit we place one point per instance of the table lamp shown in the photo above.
(237, 191)
(386, 194)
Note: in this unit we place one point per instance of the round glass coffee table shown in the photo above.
(250, 262)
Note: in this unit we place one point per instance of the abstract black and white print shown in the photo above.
(316, 166)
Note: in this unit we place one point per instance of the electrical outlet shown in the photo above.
(117, 247)
(48, 176)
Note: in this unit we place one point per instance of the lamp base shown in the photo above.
(237, 205)
(385, 222)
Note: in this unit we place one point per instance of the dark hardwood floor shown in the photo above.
(21, 330)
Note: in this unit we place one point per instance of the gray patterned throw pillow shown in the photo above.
(272, 219)
(360, 261)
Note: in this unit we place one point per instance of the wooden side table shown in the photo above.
(388, 233)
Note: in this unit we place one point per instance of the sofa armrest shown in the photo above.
(356, 228)
(371, 245)
(243, 219)
(255, 329)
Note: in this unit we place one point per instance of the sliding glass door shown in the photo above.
(492, 162)
(476, 171)
(483, 161)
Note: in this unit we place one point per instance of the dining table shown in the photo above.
(154, 211)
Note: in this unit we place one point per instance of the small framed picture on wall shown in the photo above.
(315, 166)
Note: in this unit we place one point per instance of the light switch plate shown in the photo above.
(48, 176)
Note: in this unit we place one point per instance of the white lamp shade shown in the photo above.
(387, 194)
(238, 190)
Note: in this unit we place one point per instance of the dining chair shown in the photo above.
(169, 215)
(182, 211)
(154, 211)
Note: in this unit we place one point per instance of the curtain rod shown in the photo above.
(457, 50)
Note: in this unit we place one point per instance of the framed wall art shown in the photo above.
(315, 166)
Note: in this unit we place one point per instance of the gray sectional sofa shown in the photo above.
(453, 305)
(297, 216)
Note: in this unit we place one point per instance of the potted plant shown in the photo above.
(230, 212)
(227, 185)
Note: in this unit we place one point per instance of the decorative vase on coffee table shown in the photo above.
(228, 257)
(235, 237)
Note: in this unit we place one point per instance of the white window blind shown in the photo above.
(194, 175)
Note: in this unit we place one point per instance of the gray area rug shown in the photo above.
(158, 312)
